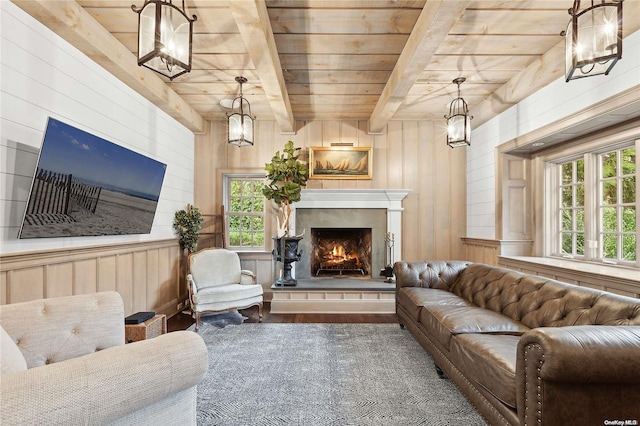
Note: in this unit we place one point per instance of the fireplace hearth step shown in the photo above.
(333, 296)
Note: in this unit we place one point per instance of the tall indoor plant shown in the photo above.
(187, 224)
(287, 176)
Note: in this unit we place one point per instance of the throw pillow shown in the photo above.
(11, 358)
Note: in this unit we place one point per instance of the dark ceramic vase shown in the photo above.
(291, 254)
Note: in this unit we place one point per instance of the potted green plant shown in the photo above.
(187, 224)
(287, 176)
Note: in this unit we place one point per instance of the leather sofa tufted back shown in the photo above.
(541, 302)
(436, 274)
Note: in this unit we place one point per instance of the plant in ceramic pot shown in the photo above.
(187, 224)
(287, 176)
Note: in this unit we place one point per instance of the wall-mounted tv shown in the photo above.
(86, 186)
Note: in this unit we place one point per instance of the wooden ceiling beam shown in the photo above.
(255, 27)
(433, 25)
(70, 21)
(543, 71)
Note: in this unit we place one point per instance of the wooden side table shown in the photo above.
(146, 330)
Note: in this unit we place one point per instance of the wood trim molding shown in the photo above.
(12, 261)
(149, 275)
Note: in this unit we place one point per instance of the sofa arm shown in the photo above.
(247, 277)
(106, 385)
(429, 274)
(578, 375)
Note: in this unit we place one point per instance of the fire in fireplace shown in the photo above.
(341, 251)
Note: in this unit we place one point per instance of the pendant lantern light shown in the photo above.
(593, 39)
(164, 37)
(458, 120)
(241, 122)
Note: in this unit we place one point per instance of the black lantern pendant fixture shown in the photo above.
(240, 122)
(164, 37)
(458, 120)
(593, 39)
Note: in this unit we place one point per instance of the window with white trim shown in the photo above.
(245, 212)
(596, 206)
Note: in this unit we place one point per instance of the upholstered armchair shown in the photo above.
(65, 362)
(217, 283)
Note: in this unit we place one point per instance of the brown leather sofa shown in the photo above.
(525, 350)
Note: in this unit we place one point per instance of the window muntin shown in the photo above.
(617, 230)
(572, 229)
(596, 208)
(245, 212)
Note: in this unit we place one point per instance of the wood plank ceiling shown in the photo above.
(370, 60)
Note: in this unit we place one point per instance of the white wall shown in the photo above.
(554, 102)
(41, 76)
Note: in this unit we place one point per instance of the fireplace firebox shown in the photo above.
(340, 251)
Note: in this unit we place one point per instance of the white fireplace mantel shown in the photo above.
(389, 199)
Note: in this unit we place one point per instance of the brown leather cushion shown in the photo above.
(490, 361)
(543, 302)
(445, 321)
(412, 299)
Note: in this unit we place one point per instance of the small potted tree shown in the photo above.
(287, 175)
(187, 224)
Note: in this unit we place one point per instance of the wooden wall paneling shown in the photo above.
(411, 217)
(85, 276)
(331, 134)
(107, 273)
(139, 281)
(203, 198)
(349, 132)
(313, 137)
(264, 148)
(380, 160)
(124, 280)
(442, 196)
(25, 284)
(427, 182)
(365, 140)
(146, 279)
(153, 279)
(458, 188)
(408, 154)
(58, 280)
(164, 275)
(395, 160)
(3, 288)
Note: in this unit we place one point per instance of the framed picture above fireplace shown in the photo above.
(343, 162)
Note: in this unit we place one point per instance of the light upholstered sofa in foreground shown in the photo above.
(76, 368)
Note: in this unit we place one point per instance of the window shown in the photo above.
(596, 205)
(572, 208)
(245, 212)
(617, 205)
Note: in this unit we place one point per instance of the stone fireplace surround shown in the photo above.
(389, 200)
(310, 299)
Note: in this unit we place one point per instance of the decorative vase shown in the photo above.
(291, 254)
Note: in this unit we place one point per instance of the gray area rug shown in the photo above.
(324, 374)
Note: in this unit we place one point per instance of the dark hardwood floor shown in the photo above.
(183, 321)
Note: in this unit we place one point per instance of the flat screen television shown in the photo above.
(87, 186)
